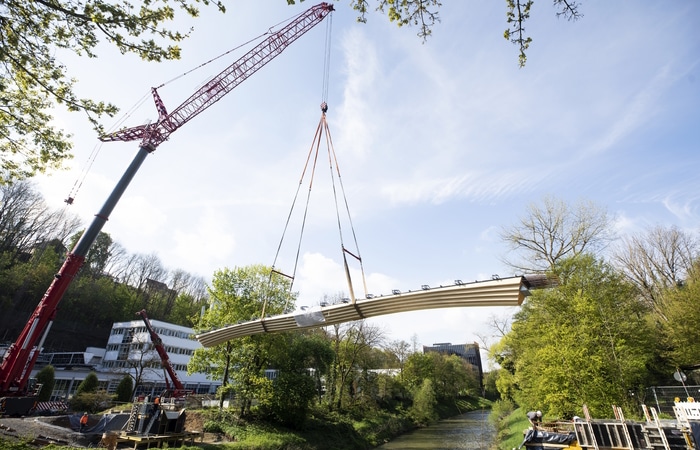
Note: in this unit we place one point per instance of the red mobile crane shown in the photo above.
(17, 395)
(178, 389)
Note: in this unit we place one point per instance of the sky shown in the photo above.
(440, 144)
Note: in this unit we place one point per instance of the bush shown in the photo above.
(423, 411)
(47, 378)
(212, 426)
(91, 402)
(124, 389)
(89, 384)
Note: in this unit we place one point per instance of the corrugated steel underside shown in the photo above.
(501, 292)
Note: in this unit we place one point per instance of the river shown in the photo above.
(470, 430)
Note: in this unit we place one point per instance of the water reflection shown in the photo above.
(470, 430)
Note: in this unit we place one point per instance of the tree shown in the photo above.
(137, 271)
(587, 341)
(401, 351)
(519, 11)
(125, 389)
(141, 358)
(33, 81)
(424, 14)
(553, 231)
(490, 389)
(88, 385)
(26, 223)
(351, 341)
(236, 295)
(47, 378)
(423, 411)
(657, 260)
(450, 375)
(294, 389)
(682, 313)
(97, 256)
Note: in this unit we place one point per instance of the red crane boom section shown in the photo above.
(151, 135)
(179, 390)
(21, 356)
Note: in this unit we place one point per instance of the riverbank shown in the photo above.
(323, 431)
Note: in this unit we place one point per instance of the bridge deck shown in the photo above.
(500, 292)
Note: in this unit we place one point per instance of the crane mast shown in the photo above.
(20, 357)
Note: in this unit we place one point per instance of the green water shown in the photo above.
(470, 430)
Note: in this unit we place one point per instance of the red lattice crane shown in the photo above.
(178, 389)
(16, 394)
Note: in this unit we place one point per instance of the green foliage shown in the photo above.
(423, 411)
(34, 81)
(425, 14)
(451, 376)
(510, 424)
(97, 256)
(490, 389)
(378, 427)
(88, 385)
(125, 389)
(242, 294)
(294, 389)
(682, 313)
(47, 378)
(584, 342)
(185, 311)
(91, 402)
(20, 445)
(212, 426)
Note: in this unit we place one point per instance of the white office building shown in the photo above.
(130, 351)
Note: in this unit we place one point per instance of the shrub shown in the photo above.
(89, 384)
(124, 389)
(47, 378)
(91, 402)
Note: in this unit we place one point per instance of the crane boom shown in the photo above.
(156, 133)
(179, 388)
(20, 357)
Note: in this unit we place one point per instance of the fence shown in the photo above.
(663, 397)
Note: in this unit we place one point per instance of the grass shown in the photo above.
(510, 430)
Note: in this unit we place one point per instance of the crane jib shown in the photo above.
(154, 134)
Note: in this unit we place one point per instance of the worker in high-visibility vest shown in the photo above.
(83, 422)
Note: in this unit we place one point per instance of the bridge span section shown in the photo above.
(509, 291)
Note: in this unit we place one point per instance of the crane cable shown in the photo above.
(333, 164)
(344, 250)
(326, 62)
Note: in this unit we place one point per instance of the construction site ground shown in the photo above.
(41, 431)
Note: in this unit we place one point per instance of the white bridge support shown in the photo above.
(498, 292)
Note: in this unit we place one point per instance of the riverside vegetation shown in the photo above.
(354, 430)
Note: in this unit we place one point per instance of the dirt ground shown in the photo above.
(56, 429)
(40, 430)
